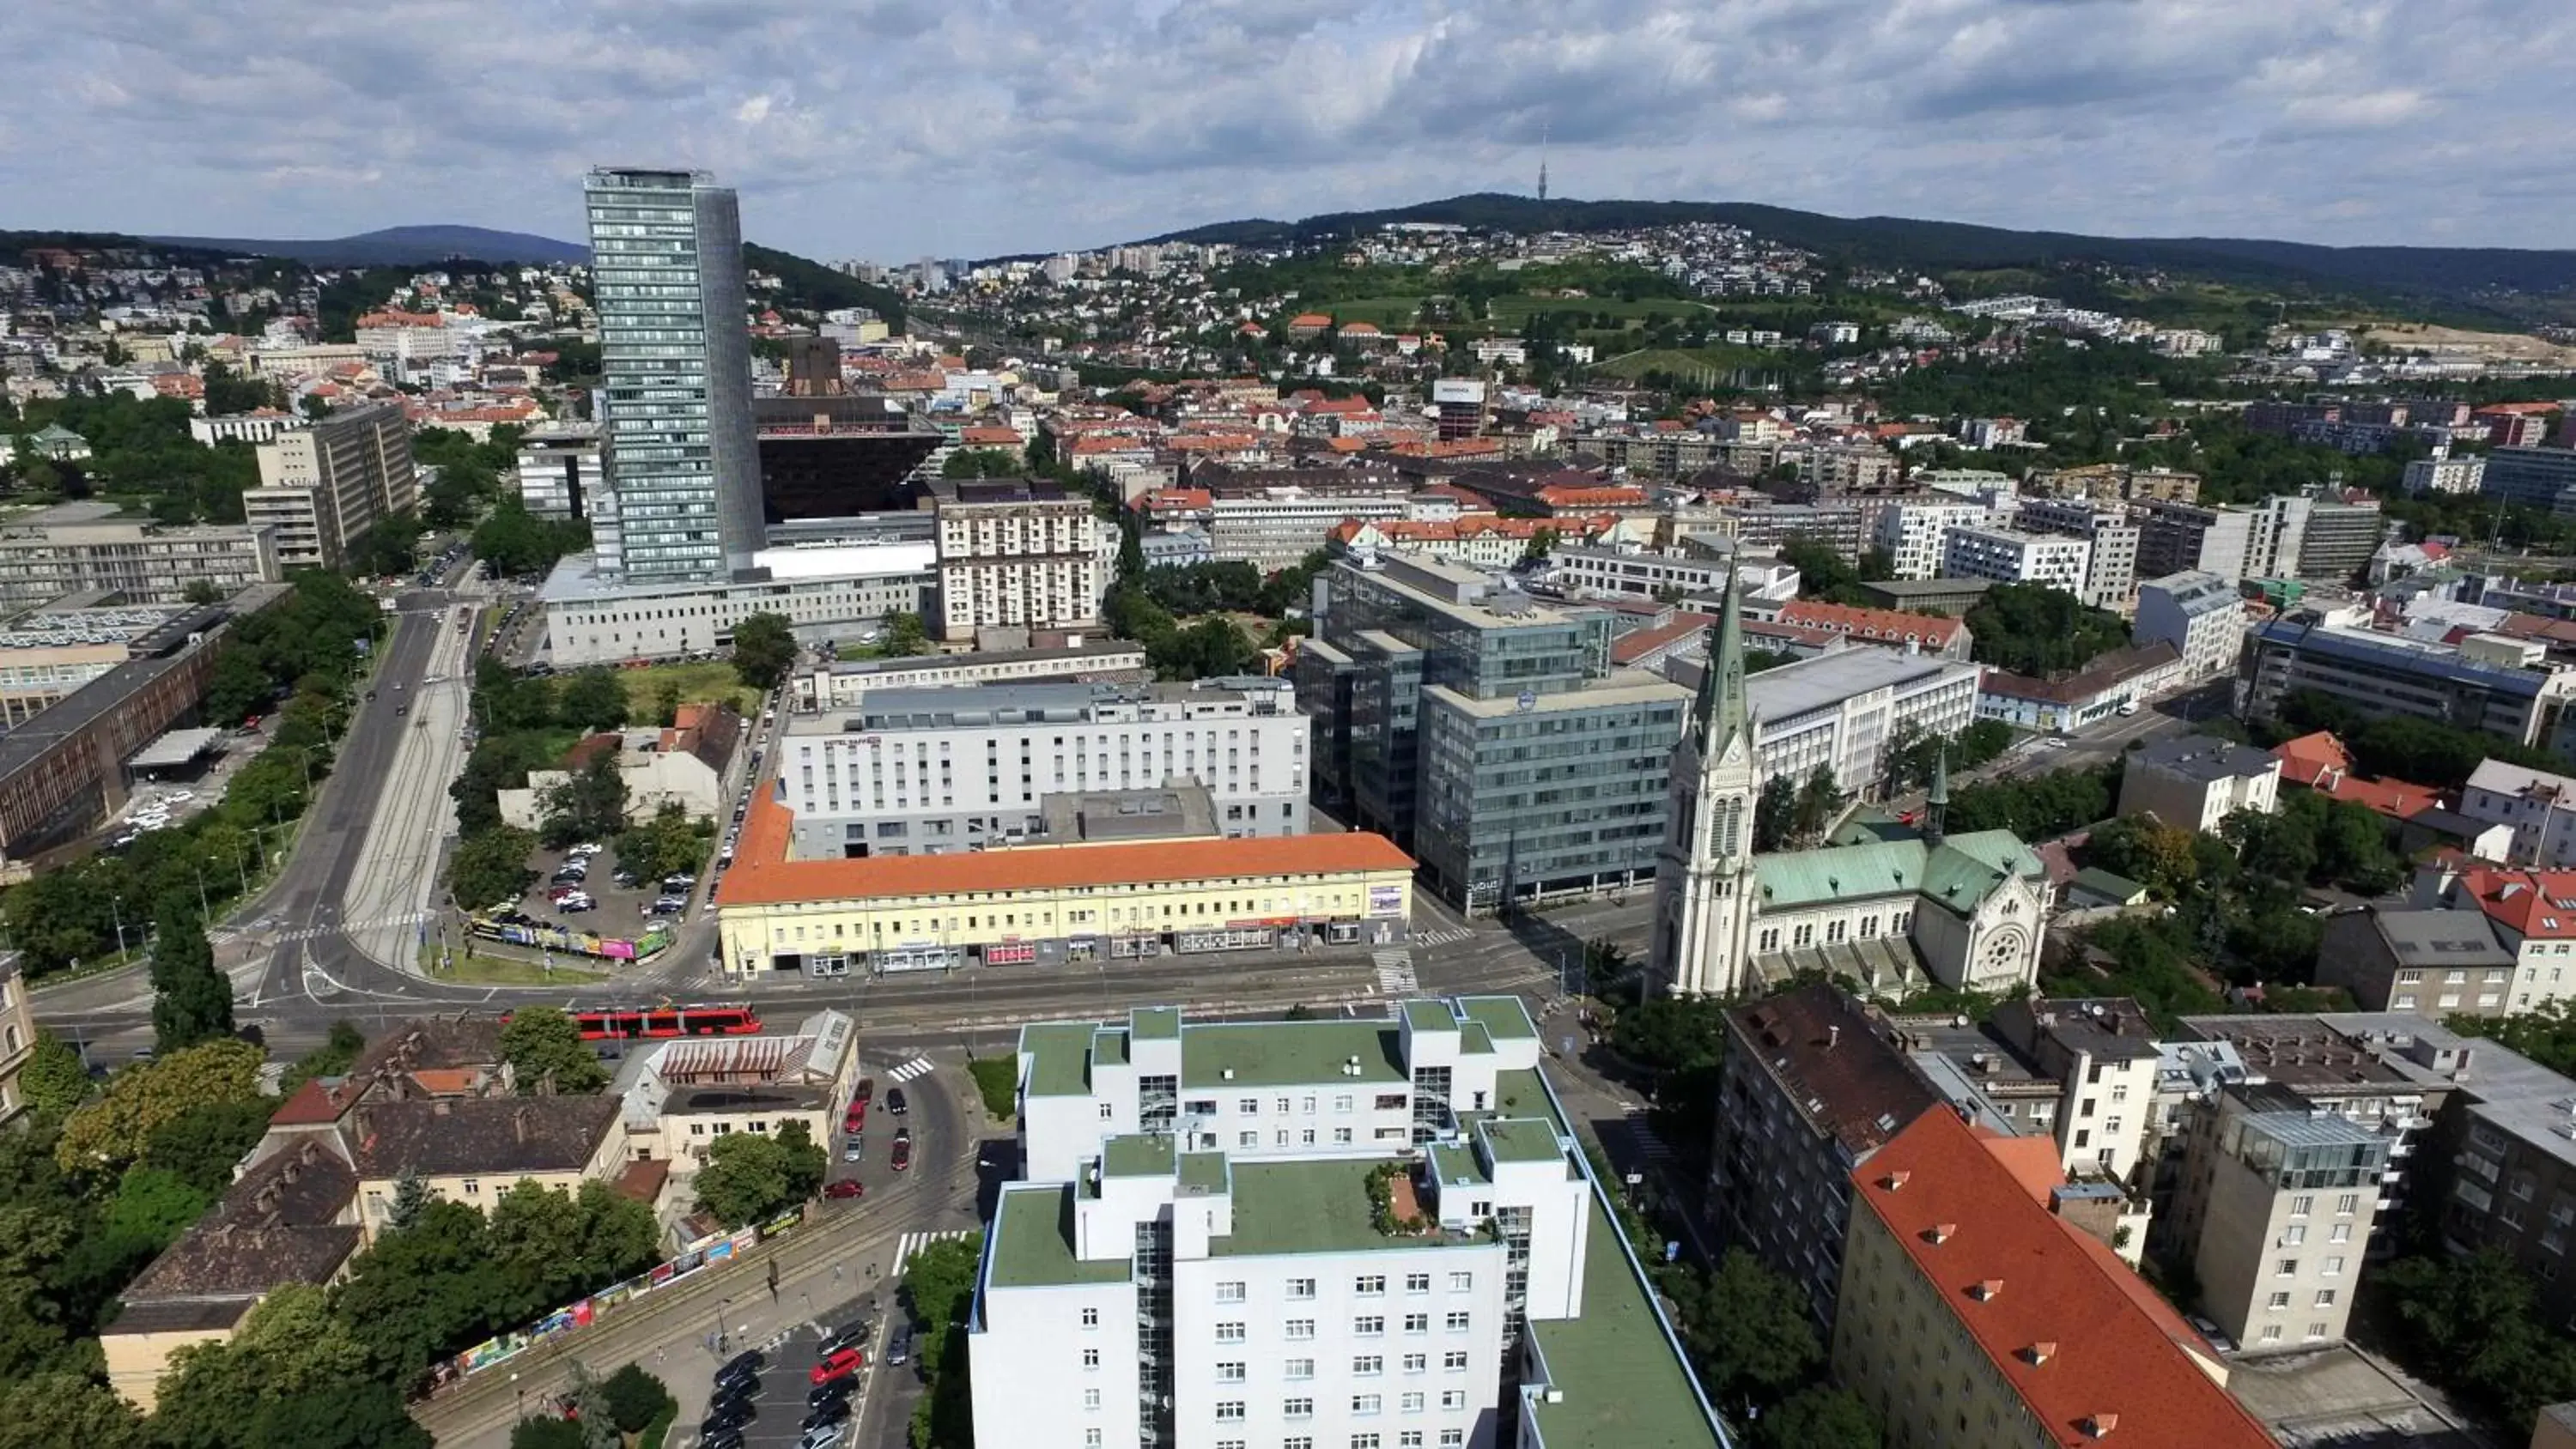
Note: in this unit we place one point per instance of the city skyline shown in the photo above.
(979, 130)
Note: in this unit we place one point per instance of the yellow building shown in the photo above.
(17, 1037)
(473, 1149)
(1044, 904)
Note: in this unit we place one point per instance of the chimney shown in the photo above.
(1941, 1232)
(519, 1123)
(1895, 1180)
(2101, 1425)
(441, 1107)
(1988, 1289)
(2041, 1352)
(1833, 1037)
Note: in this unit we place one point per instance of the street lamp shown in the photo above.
(116, 908)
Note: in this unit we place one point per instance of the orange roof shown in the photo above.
(1893, 625)
(2395, 799)
(763, 875)
(2016, 1276)
(981, 437)
(1310, 319)
(447, 1081)
(2539, 903)
(1163, 498)
(1557, 495)
(2313, 760)
(1345, 445)
(1359, 329)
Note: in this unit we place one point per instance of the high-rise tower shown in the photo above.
(1704, 872)
(683, 467)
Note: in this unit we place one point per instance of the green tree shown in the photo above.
(938, 1287)
(541, 1045)
(112, 1132)
(290, 1347)
(1819, 801)
(547, 1432)
(54, 1079)
(2035, 629)
(147, 1213)
(490, 867)
(1818, 1417)
(337, 1053)
(56, 1408)
(362, 1414)
(192, 1002)
(202, 592)
(905, 635)
(202, 1145)
(1747, 1329)
(2546, 1033)
(983, 463)
(635, 1398)
(1775, 814)
(590, 805)
(666, 704)
(2470, 1323)
(764, 649)
(591, 700)
(2154, 855)
(669, 842)
(422, 1293)
(749, 1176)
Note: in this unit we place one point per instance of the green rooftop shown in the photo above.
(1138, 1155)
(1033, 1244)
(1475, 1041)
(1310, 1207)
(1109, 1047)
(1155, 1023)
(1623, 1386)
(1521, 1094)
(1957, 874)
(1502, 1017)
(1290, 1054)
(1521, 1139)
(1060, 1053)
(1452, 1165)
(1203, 1173)
(1429, 1016)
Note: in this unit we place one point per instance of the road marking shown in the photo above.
(917, 1067)
(1395, 973)
(1442, 937)
(912, 1243)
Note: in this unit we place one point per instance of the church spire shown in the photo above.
(1936, 806)
(1719, 714)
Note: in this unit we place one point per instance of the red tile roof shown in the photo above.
(763, 875)
(2015, 1275)
(2320, 762)
(1884, 625)
(2539, 903)
(2313, 760)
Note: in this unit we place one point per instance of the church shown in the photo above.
(1896, 912)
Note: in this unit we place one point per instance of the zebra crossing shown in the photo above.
(911, 1243)
(917, 1067)
(1442, 937)
(1395, 972)
(1652, 1148)
(315, 933)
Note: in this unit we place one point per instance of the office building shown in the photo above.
(1953, 597)
(841, 683)
(48, 654)
(259, 425)
(2435, 963)
(675, 378)
(1978, 1308)
(2117, 482)
(1639, 572)
(2193, 782)
(1811, 1087)
(2539, 806)
(2277, 1202)
(1353, 1233)
(1886, 628)
(1050, 904)
(937, 770)
(323, 486)
(560, 469)
(1914, 532)
(1016, 554)
(2010, 556)
(1458, 407)
(2529, 477)
(2111, 562)
(2186, 538)
(2446, 474)
(142, 563)
(2336, 539)
(1844, 709)
(2526, 914)
(2387, 674)
(827, 453)
(1486, 731)
(592, 618)
(1276, 528)
(2112, 683)
(2200, 615)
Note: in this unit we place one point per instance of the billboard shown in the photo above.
(1465, 390)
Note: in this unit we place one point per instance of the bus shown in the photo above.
(612, 1023)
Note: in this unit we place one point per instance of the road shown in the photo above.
(390, 897)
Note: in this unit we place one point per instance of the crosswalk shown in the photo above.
(1656, 1152)
(1395, 972)
(917, 1067)
(315, 933)
(1442, 937)
(911, 1243)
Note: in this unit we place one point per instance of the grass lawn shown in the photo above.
(1395, 314)
(1691, 360)
(489, 966)
(700, 683)
(1518, 307)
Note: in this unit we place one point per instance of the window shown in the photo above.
(1368, 1325)
(1417, 1282)
(1229, 1293)
(2279, 1302)
(1091, 1398)
(1409, 1439)
(1297, 1408)
(1297, 1441)
(1453, 1362)
(2293, 1235)
(1461, 1282)
(1091, 1358)
(1091, 1318)
(1370, 1285)
(2286, 1268)
(1417, 1323)
(1410, 1403)
(1229, 1333)
(2347, 1204)
(2316, 1330)
(2341, 1233)
(1457, 1323)
(1453, 1399)
(1452, 1438)
(1368, 1364)
(1301, 1287)
(1364, 1403)
(1341, 1137)
(1229, 1411)
(2272, 1333)
(1301, 1328)
(1297, 1368)
(1283, 1106)
(1229, 1373)
(2325, 1298)
(2334, 1267)
(1415, 1363)
(1249, 1106)
(1091, 1439)
(1247, 1139)
(1364, 1441)
(1342, 1104)
(1107, 1111)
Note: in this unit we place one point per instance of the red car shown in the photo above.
(848, 1187)
(856, 1118)
(840, 1363)
(902, 1148)
(866, 1093)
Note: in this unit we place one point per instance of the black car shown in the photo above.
(830, 1411)
(727, 1414)
(894, 1101)
(749, 1361)
(720, 1438)
(740, 1387)
(832, 1390)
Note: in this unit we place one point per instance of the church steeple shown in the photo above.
(1718, 715)
(1936, 806)
(1704, 881)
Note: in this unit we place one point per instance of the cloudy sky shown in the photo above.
(895, 128)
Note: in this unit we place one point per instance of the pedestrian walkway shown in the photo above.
(1395, 972)
(917, 1067)
(1447, 935)
(315, 933)
(912, 1243)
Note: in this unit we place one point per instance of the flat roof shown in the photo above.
(1318, 1206)
(1155, 1023)
(174, 749)
(1290, 1054)
(1626, 687)
(1521, 1139)
(1032, 1243)
(1146, 1154)
(1828, 679)
(1072, 657)
(1504, 1018)
(1617, 1382)
(1060, 1052)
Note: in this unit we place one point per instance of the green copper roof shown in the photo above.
(1719, 714)
(1958, 874)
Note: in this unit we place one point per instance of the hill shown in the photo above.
(2487, 276)
(396, 246)
(816, 287)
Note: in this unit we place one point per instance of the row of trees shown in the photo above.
(2399, 747)
(140, 452)
(2037, 630)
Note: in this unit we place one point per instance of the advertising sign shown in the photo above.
(1386, 900)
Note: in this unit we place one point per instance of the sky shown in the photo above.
(893, 129)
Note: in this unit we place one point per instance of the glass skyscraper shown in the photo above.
(683, 468)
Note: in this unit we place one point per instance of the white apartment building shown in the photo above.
(2111, 567)
(2539, 806)
(2010, 556)
(1330, 1233)
(261, 426)
(2446, 475)
(2200, 614)
(1016, 554)
(591, 620)
(145, 562)
(1277, 527)
(1912, 532)
(2194, 782)
(560, 469)
(2275, 1202)
(1842, 710)
(938, 770)
(323, 486)
(1645, 573)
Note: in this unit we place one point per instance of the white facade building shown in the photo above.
(2111, 568)
(2200, 614)
(2446, 475)
(323, 486)
(1016, 555)
(1841, 710)
(1333, 1233)
(590, 620)
(1912, 533)
(2010, 556)
(261, 426)
(1644, 573)
(1277, 527)
(2539, 806)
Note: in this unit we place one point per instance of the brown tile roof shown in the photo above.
(498, 1137)
(276, 1224)
(1826, 1052)
(1883, 625)
(2016, 1277)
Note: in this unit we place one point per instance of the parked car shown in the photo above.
(848, 1189)
(822, 1394)
(857, 1330)
(840, 1363)
(678, 880)
(854, 1149)
(899, 1348)
(573, 905)
(824, 1436)
(895, 1102)
(866, 1091)
(583, 851)
(741, 1387)
(830, 1411)
(902, 1157)
(625, 879)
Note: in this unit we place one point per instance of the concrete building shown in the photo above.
(2526, 913)
(2010, 556)
(2336, 538)
(1811, 1089)
(2112, 683)
(2178, 538)
(1276, 528)
(2200, 615)
(2529, 477)
(2386, 674)
(1049, 904)
(2434, 963)
(2277, 1202)
(1953, 597)
(592, 618)
(1368, 1233)
(1886, 628)
(1981, 1308)
(142, 563)
(2446, 474)
(1842, 710)
(1012, 745)
(1914, 533)
(843, 683)
(562, 469)
(675, 384)
(2502, 1152)
(2193, 782)
(48, 654)
(1016, 554)
(1639, 572)
(17, 1036)
(2540, 807)
(2111, 564)
(257, 426)
(323, 486)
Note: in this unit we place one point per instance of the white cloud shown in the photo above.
(891, 128)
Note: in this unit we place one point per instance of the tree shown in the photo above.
(490, 867)
(541, 1045)
(2154, 855)
(588, 805)
(113, 1131)
(411, 1199)
(291, 1347)
(1747, 1329)
(54, 1079)
(983, 463)
(337, 1053)
(423, 1293)
(202, 592)
(545, 1431)
(363, 1414)
(2471, 1324)
(1819, 801)
(202, 1145)
(669, 842)
(635, 1398)
(147, 1213)
(939, 1286)
(2546, 1033)
(2035, 629)
(905, 635)
(764, 649)
(1818, 1417)
(749, 1177)
(1775, 814)
(591, 700)
(666, 704)
(52, 1409)
(192, 1002)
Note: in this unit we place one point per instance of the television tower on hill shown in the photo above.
(1542, 163)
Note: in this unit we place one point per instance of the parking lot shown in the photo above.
(617, 908)
(780, 1407)
(184, 793)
